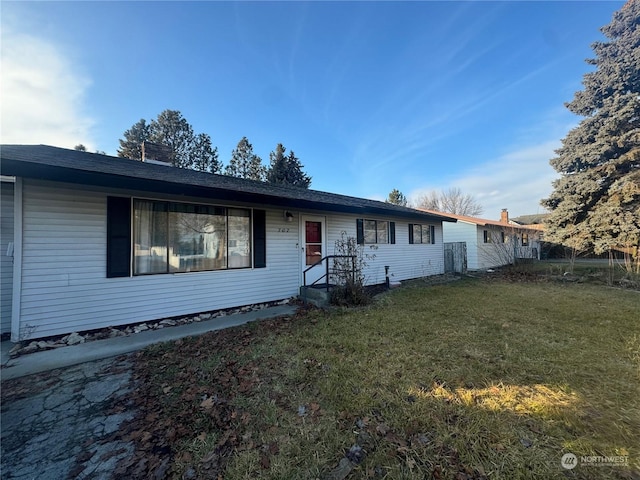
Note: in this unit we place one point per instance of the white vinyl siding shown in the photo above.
(405, 261)
(481, 255)
(494, 253)
(6, 261)
(65, 289)
(464, 232)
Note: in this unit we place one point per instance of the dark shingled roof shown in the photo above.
(531, 219)
(63, 165)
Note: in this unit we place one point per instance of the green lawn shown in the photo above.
(472, 379)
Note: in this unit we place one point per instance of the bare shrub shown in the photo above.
(347, 273)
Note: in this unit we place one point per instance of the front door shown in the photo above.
(313, 249)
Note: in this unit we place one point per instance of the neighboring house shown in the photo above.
(100, 241)
(492, 243)
(535, 221)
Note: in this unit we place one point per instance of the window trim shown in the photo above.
(432, 234)
(124, 223)
(360, 232)
(176, 204)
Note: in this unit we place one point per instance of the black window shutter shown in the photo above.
(259, 239)
(411, 233)
(360, 231)
(118, 237)
(392, 232)
(432, 233)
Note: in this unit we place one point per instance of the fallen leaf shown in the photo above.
(382, 429)
(209, 457)
(534, 428)
(265, 463)
(526, 443)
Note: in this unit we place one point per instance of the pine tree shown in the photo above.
(295, 176)
(596, 201)
(173, 130)
(286, 170)
(244, 163)
(396, 197)
(277, 172)
(131, 144)
(203, 156)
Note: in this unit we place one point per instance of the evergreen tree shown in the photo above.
(80, 148)
(244, 163)
(286, 170)
(277, 172)
(295, 176)
(131, 144)
(203, 156)
(173, 130)
(397, 198)
(596, 201)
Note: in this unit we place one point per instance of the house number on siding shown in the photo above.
(283, 230)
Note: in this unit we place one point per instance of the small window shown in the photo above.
(525, 239)
(502, 237)
(487, 236)
(375, 231)
(421, 233)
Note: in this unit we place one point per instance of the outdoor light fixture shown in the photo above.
(288, 216)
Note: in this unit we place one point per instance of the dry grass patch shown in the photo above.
(468, 380)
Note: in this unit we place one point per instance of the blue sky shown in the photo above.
(371, 96)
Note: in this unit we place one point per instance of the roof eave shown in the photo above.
(20, 168)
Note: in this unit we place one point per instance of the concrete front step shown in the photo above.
(316, 295)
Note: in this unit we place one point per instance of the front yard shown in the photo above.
(473, 379)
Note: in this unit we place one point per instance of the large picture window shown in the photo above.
(172, 237)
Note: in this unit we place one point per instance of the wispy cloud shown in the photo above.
(517, 180)
(42, 94)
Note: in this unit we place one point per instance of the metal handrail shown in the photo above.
(326, 274)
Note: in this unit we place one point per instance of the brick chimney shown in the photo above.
(504, 216)
(156, 153)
